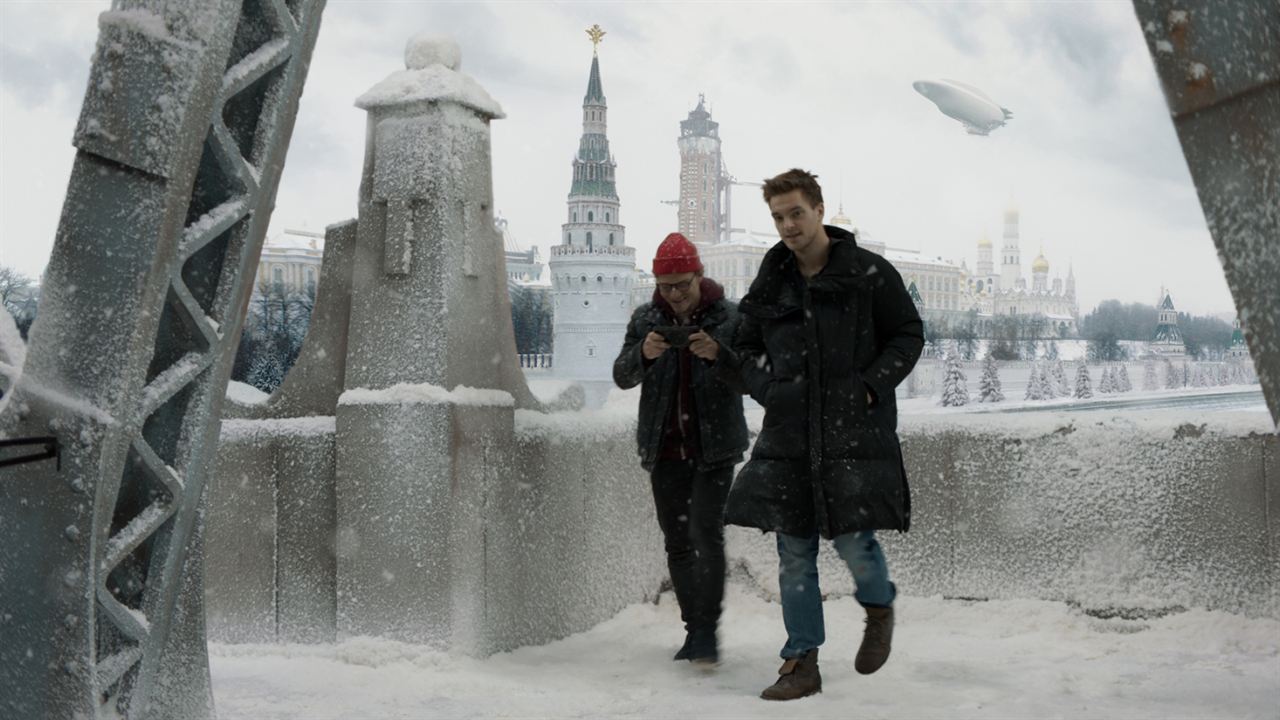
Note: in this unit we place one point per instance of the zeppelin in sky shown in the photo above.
(966, 103)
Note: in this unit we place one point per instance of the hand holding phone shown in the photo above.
(677, 336)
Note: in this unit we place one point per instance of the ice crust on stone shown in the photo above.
(138, 20)
(278, 427)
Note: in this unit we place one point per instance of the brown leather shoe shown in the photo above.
(797, 678)
(877, 640)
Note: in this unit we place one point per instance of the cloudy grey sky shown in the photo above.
(1090, 158)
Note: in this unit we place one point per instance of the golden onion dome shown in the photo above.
(985, 241)
(841, 219)
(1040, 265)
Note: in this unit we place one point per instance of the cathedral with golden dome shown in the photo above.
(1006, 292)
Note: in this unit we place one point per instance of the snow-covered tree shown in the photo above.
(266, 372)
(1084, 384)
(1149, 380)
(1123, 383)
(276, 325)
(955, 392)
(1172, 376)
(1062, 386)
(1222, 374)
(1039, 386)
(989, 387)
(1198, 377)
(1106, 382)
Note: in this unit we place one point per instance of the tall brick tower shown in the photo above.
(702, 184)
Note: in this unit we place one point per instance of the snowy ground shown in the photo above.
(952, 659)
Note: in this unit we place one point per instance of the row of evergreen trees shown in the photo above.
(1048, 380)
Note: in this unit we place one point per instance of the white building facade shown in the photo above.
(291, 261)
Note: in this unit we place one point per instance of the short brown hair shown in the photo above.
(794, 179)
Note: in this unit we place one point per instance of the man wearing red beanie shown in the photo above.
(691, 431)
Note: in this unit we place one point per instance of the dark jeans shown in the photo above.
(690, 505)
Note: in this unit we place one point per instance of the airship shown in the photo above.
(973, 108)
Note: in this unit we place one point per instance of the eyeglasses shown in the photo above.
(683, 286)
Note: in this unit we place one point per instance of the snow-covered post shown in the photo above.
(1084, 385)
(425, 425)
(990, 383)
(954, 389)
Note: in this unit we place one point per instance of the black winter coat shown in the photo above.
(810, 353)
(722, 429)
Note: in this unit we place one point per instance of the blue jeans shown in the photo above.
(801, 595)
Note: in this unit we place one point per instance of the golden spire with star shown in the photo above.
(596, 34)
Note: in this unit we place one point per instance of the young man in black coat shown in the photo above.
(691, 431)
(827, 332)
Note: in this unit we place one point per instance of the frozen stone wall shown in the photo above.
(1120, 515)
(1124, 514)
(549, 541)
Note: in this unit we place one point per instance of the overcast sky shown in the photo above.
(1090, 158)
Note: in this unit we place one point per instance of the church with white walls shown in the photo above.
(1006, 292)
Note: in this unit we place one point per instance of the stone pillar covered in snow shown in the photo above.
(431, 375)
(429, 294)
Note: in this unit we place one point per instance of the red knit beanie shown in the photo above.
(676, 255)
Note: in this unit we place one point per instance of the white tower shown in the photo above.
(1011, 256)
(592, 268)
(986, 270)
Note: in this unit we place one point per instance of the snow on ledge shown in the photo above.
(1028, 425)
(278, 427)
(405, 393)
(245, 394)
(617, 419)
(430, 75)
